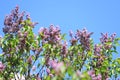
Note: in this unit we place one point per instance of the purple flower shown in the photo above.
(48, 70)
(84, 38)
(106, 39)
(56, 65)
(41, 30)
(51, 75)
(113, 36)
(2, 66)
(73, 41)
(99, 77)
(71, 33)
(28, 17)
(64, 49)
(50, 35)
(52, 63)
(78, 73)
(97, 49)
(91, 72)
(13, 21)
(94, 76)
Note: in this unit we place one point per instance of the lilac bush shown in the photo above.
(49, 56)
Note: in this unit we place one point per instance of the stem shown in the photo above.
(83, 62)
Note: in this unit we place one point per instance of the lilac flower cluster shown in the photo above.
(99, 59)
(83, 37)
(13, 21)
(98, 55)
(49, 73)
(97, 49)
(73, 40)
(93, 76)
(51, 35)
(57, 66)
(96, 77)
(64, 49)
(22, 37)
(106, 39)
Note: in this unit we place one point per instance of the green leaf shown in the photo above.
(70, 70)
(89, 54)
(118, 60)
(63, 69)
(21, 69)
(87, 66)
(63, 36)
(48, 78)
(112, 71)
(46, 45)
(74, 76)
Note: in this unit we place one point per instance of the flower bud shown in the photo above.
(25, 34)
(29, 60)
(51, 75)
(2, 67)
(48, 70)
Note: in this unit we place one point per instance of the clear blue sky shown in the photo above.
(96, 15)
